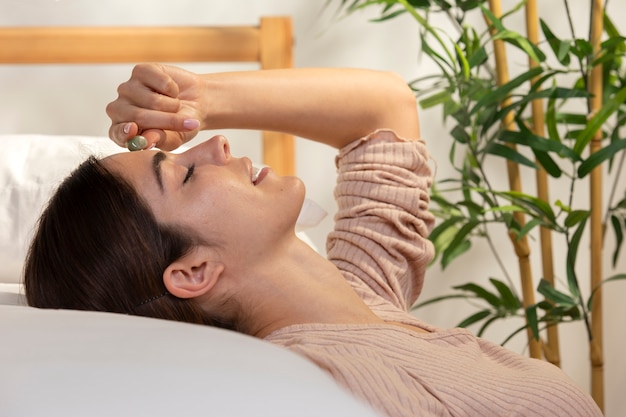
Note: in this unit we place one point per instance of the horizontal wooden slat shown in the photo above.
(270, 45)
(46, 45)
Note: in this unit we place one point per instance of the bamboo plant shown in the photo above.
(563, 117)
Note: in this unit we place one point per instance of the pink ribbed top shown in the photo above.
(379, 243)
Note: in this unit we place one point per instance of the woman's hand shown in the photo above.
(162, 103)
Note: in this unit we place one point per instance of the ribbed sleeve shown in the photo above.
(381, 227)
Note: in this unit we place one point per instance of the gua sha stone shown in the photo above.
(136, 143)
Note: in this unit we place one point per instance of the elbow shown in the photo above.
(401, 107)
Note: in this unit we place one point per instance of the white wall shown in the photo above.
(71, 101)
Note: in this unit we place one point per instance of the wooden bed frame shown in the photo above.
(270, 44)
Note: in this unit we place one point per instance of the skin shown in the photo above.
(254, 257)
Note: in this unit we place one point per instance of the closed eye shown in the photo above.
(189, 173)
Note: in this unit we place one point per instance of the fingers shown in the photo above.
(148, 104)
(164, 139)
(156, 78)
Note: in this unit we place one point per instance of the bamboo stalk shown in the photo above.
(522, 250)
(595, 196)
(551, 349)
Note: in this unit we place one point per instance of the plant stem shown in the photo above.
(583, 73)
(613, 193)
(496, 255)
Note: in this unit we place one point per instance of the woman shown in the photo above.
(203, 237)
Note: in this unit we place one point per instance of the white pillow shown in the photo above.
(76, 364)
(12, 294)
(32, 166)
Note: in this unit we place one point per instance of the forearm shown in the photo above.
(332, 106)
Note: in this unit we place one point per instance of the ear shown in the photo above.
(192, 275)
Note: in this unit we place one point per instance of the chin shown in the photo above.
(294, 194)
(301, 190)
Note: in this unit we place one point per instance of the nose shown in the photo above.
(215, 151)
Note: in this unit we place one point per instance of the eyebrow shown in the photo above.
(156, 167)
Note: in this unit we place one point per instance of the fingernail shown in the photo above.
(191, 124)
(127, 127)
(137, 143)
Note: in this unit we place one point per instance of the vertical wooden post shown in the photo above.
(551, 349)
(277, 52)
(522, 250)
(595, 200)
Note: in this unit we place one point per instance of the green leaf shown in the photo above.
(500, 93)
(453, 252)
(606, 281)
(575, 217)
(582, 48)
(480, 292)
(619, 237)
(509, 299)
(444, 234)
(512, 37)
(534, 204)
(388, 16)
(427, 27)
(571, 118)
(548, 164)
(596, 122)
(560, 48)
(448, 224)
(538, 143)
(600, 156)
(440, 299)
(563, 206)
(508, 209)
(532, 322)
(474, 210)
(529, 226)
(465, 67)
(551, 120)
(476, 317)
(436, 99)
(510, 154)
(545, 305)
(460, 244)
(478, 58)
(554, 295)
(522, 43)
(572, 250)
(610, 27)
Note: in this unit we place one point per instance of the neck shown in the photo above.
(296, 286)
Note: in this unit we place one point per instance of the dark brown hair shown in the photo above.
(99, 247)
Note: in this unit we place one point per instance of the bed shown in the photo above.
(70, 363)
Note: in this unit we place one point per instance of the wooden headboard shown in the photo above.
(270, 44)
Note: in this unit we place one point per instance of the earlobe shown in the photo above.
(192, 275)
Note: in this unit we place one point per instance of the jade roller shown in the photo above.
(136, 143)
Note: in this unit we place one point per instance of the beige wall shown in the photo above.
(45, 104)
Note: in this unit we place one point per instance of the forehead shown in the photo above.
(136, 168)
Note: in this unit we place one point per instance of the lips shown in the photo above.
(258, 174)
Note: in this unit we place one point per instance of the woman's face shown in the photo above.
(218, 196)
